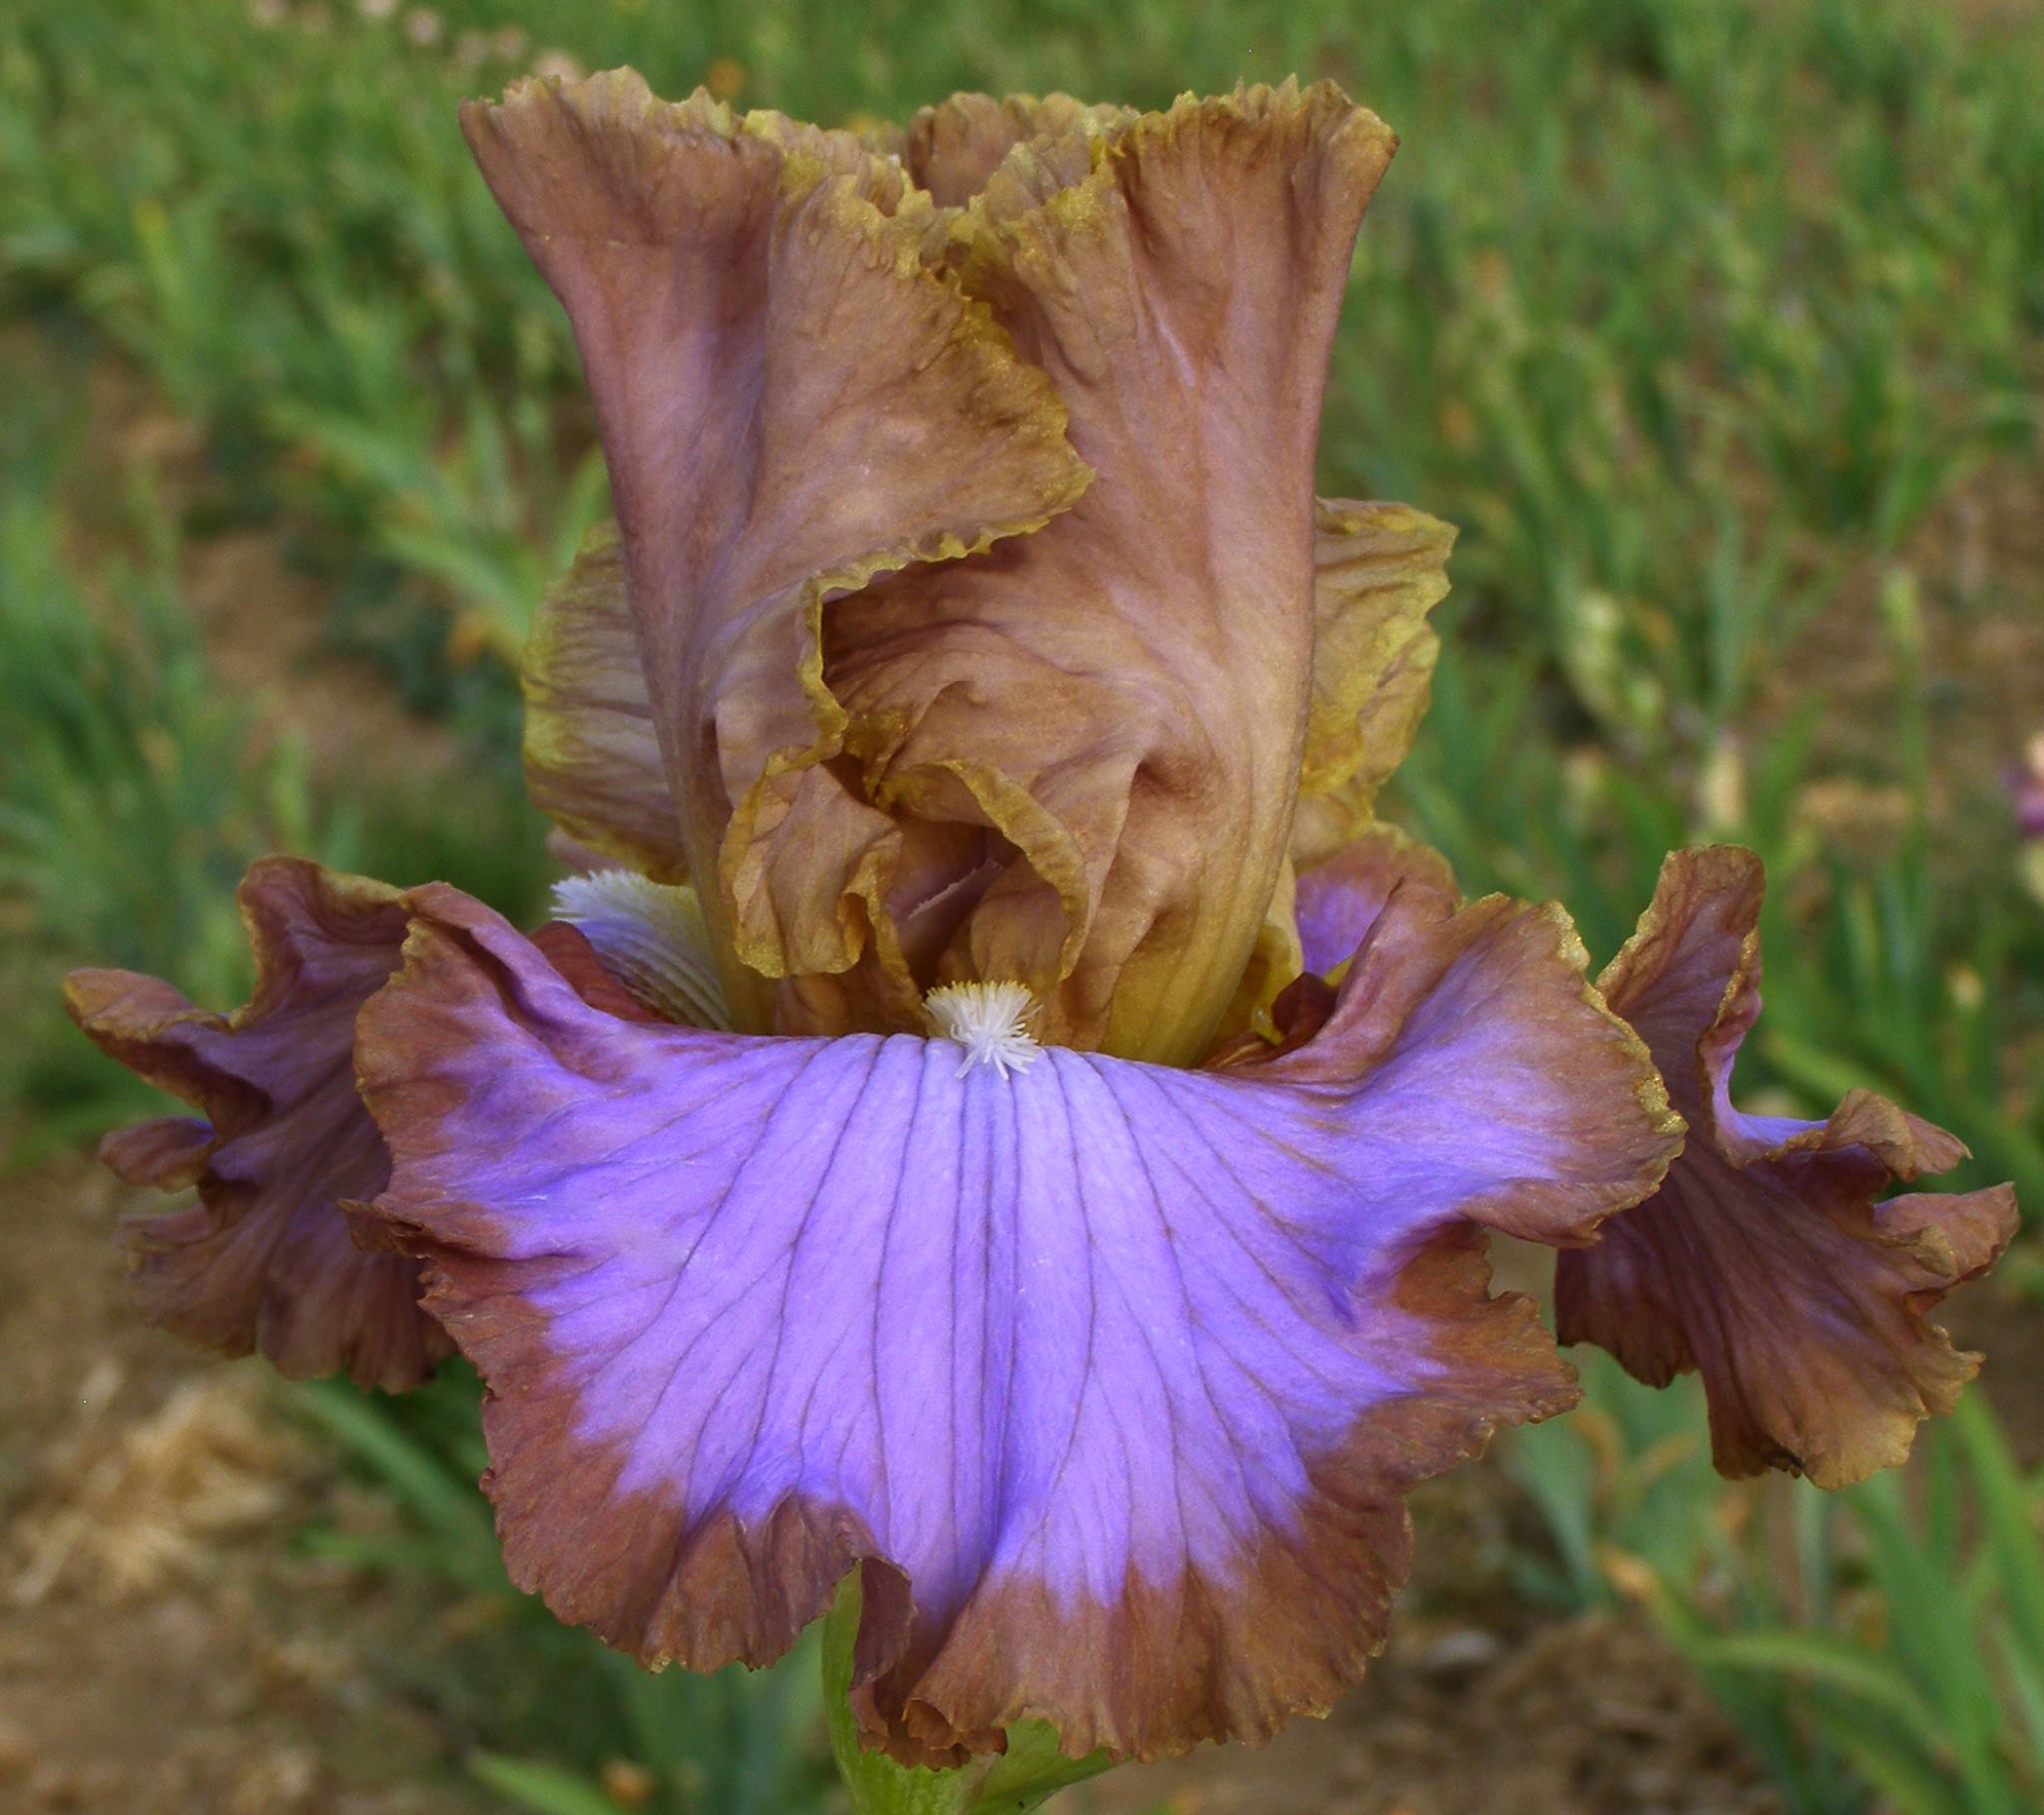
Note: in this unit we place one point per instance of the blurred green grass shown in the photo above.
(1718, 327)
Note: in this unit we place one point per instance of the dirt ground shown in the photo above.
(169, 1647)
(165, 1650)
(1590, 1716)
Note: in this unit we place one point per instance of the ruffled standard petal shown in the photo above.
(263, 1262)
(789, 402)
(955, 146)
(1767, 1261)
(1378, 570)
(593, 762)
(1121, 699)
(1109, 1377)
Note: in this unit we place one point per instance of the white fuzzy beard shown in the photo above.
(987, 1019)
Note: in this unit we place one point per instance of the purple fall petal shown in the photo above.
(1112, 1375)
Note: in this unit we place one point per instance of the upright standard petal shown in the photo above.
(1378, 570)
(594, 764)
(263, 1262)
(1767, 1261)
(1109, 1377)
(955, 146)
(1120, 699)
(790, 403)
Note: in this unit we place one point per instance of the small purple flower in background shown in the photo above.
(1014, 1126)
(2026, 789)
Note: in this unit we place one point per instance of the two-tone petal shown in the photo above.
(283, 1150)
(1342, 897)
(1769, 1260)
(1109, 1377)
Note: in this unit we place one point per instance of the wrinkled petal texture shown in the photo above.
(789, 402)
(591, 757)
(1110, 1376)
(594, 763)
(1123, 693)
(954, 148)
(263, 1262)
(1380, 569)
(1768, 1261)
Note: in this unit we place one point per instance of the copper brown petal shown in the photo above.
(1121, 699)
(789, 403)
(263, 1262)
(954, 147)
(1768, 1261)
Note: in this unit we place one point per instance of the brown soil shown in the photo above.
(1591, 1716)
(164, 1650)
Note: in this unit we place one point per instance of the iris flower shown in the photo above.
(997, 1114)
(2026, 789)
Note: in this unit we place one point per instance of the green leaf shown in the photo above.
(437, 1497)
(1032, 1770)
(544, 1789)
(2026, 1677)
(2005, 1506)
(1902, 1776)
(1821, 1659)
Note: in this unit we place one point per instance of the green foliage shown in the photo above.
(131, 796)
(1638, 259)
(1633, 1510)
(1910, 1643)
(135, 791)
(1883, 1642)
(1627, 1473)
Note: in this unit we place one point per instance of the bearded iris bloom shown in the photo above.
(998, 1115)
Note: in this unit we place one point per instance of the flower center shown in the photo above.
(986, 1019)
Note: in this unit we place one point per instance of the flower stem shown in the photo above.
(1031, 1770)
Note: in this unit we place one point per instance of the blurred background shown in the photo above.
(1718, 327)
